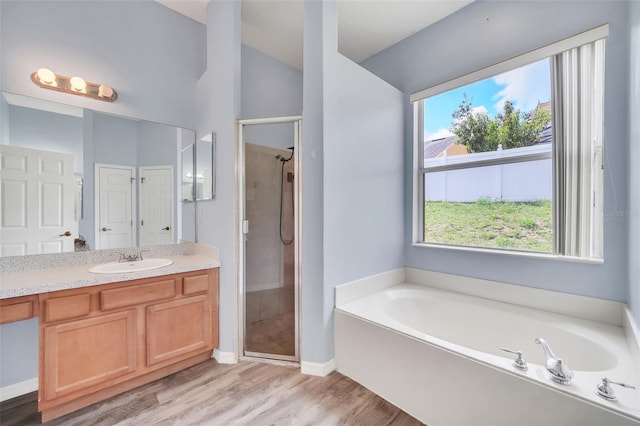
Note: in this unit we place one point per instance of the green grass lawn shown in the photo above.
(493, 224)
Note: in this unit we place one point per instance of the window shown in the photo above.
(519, 164)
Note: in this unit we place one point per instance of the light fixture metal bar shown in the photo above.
(62, 83)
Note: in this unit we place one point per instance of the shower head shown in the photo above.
(283, 158)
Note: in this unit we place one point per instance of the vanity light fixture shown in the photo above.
(78, 84)
(47, 79)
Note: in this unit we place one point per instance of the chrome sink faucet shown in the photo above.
(560, 372)
(130, 257)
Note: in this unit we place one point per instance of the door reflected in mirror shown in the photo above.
(150, 150)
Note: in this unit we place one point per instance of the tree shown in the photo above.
(511, 128)
(474, 129)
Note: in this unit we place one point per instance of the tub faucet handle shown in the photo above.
(519, 362)
(604, 390)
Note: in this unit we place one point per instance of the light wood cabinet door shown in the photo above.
(82, 353)
(178, 328)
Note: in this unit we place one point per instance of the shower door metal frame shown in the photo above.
(242, 230)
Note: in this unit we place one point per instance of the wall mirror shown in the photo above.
(198, 167)
(188, 178)
(125, 188)
(205, 182)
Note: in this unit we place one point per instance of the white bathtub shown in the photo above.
(436, 354)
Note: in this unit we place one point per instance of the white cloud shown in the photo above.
(476, 111)
(480, 110)
(525, 86)
(439, 134)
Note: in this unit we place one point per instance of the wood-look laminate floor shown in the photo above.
(247, 393)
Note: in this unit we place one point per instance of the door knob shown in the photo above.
(106, 229)
(66, 234)
(165, 229)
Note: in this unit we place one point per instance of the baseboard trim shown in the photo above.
(318, 369)
(18, 389)
(224, 357)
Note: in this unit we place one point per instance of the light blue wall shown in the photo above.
(314, 322)
(18, 358)
(634, 160)
(270, 88)
(353, 144)
(219, 104)
(151, 55)
(485, 33)
(364, 167)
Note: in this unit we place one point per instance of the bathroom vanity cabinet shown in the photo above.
(98, 341)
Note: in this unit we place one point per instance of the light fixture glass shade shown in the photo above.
(46, 76)
(105, 91)
(78, 84)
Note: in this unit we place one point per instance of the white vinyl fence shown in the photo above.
(518, 181)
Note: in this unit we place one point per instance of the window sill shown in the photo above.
(524, 254)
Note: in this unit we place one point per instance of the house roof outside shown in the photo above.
(546, 135)
(435, 147)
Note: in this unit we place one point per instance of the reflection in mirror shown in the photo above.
(69, 142)
(205, 168)
(187, 173)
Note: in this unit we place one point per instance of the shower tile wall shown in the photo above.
(270, 264)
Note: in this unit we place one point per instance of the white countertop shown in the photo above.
(14, 284)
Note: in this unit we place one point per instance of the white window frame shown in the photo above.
(419, 172)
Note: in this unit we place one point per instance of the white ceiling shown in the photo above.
(365, 27)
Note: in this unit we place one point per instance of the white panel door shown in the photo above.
(115, 207)
(156, 205)
(37, 201)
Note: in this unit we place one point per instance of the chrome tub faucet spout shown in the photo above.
(560, 372)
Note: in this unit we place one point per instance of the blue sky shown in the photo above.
(525, 87)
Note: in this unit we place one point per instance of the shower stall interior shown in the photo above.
(269, 292)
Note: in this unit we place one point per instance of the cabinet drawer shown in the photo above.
(61, 308)
(137, 294)
(195, 285)
(16, 312)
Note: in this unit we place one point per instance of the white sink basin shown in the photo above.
(124, 267)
